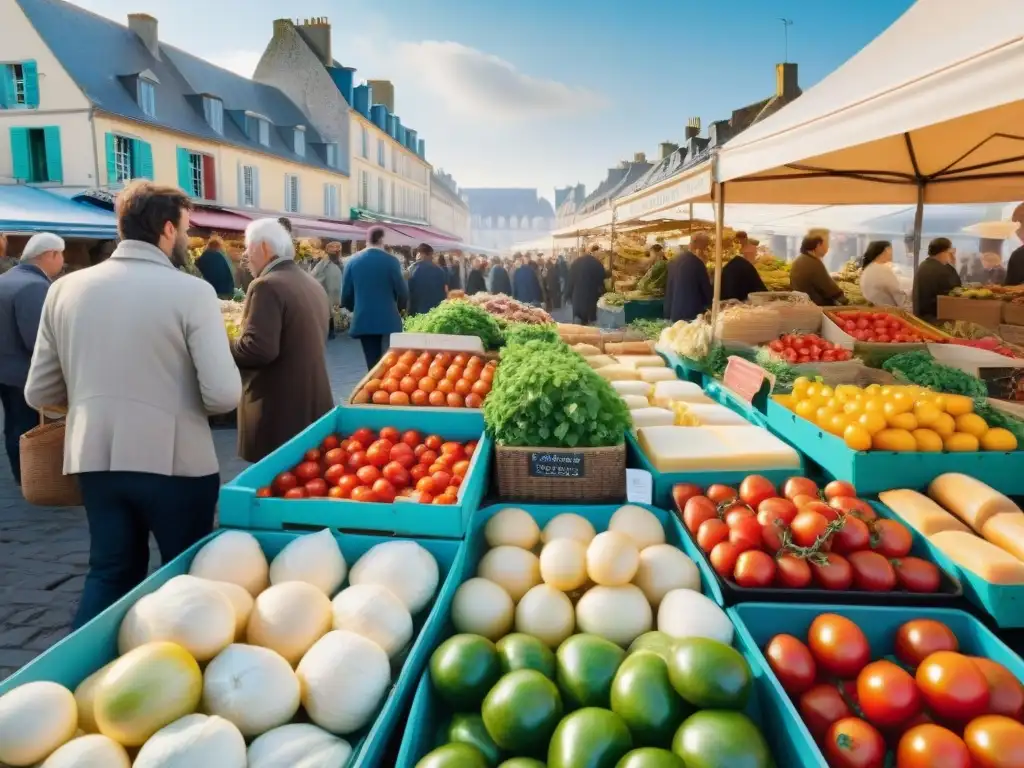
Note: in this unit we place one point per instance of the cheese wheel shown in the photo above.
(640, 361)
(969, 499)
(633, 402)
(641, 388)
(587, 350)
(599, 361)
(652, 417)
(618, 372)
(1006, 531)
(654, 375)
(920, 512)
(980, 557)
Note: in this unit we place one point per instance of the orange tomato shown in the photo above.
(474, 401)
(454, 373)
(445, 386)
(444, 499)
(390, 359)
(461, 359)
(419, 370)
(455, 400)
(437, 399)
(445, 358)
(381, 397)
(419, 397)
(482, 387)
(362, 397)
(398, 398)
(425, 484)
(399, 370)
(436, 371)
(407, 384)
(408, 357)
(372, 385)
(452, 448)
(470, 374)
(460, 468)
(463, 387)
(428, 384)
(433, 443)
(487, 374)
(391, 384)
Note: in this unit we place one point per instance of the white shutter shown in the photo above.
(255, 186)
(327, 200)
(241, 179)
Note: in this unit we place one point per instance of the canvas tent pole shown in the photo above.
(719, 216)
(918, 224)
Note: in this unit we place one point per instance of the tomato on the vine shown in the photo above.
(995, 741)
(848, 505)
(891, 538)
(887, 694)
(696, 510)
(853, 743)
(792, 663)
(754, 568)
(807, 527)
(918, 639)
(840, 488)
(819, 506)
(1005, 692)
(723, 558)
(756, 488)
(834, 572)
(776, 508)
(916, 575)
(852, 536)
(720, 494)
(871, 571)
(745, 533)
(839, 646)
(797, 486)
(771, 536)
(953, 686)
(792, 572)
(710, 533)
(932, 746)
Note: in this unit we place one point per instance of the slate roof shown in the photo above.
(507, 202)
(99, 54)
(618, 179)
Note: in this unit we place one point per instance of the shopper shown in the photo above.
(935, 277)
(499, 279)
(22, 291)
(374, 291)
(526, 284)
(136, 350)
(6, 260)
(1015, 264)
(216, 269)
(328, 272)
(809, 274)
(552, 286)
(688, 291)
(878, 283)
(428, 282)
(475, 281)
(740, 277)
(585, 285)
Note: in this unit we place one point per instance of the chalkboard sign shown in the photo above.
(556, 465)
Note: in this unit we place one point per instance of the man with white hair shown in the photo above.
(22, 292)
(280, 351)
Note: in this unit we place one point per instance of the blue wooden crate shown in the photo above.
(718, 392)
(757, 623)
(685, 369)
(83, 652)
(240, 507)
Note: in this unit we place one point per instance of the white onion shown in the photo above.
(314, 558)
(235, 557)
(299, 745)
(252, 687)
(375, 613)
(404, 567)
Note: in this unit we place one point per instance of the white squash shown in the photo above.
(664, 568)
(547, 614)
(315, 559)
(235, 557)
(563, 564)
(687, 613)
(193, 613)
(133, 631)
(299, 745)
(194, 741)
(612, 559)
(569, 525)
(90, 751)
(85, 698)
(641, 525)
(404, 567)
(375, 613)
(288, 618)
(35, 719)
(512, 527)
(241, 601)
(252, 687)
(481, 607)
(619, 614)
(513, 569)
(344, 679)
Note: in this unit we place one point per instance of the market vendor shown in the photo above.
(878, 283)
(740, 277)
(809, 274)
(936, 276)
(688, 291)
(585, 286)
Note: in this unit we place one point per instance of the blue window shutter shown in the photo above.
(21, 156)
(185, 172)
(54, 164)
(31, 83)
(111, 141)
(256, 186)
(142, 159)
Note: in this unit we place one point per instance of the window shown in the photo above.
(380, 195)
(147, 96)
(213, 111)
(394, 160)
(332, 155)
(197, 174)
(19, 85)
(36, 155)
(128, 159)
(365, 141)
(381, 154)
(392, 208)
(364, 189)
(249, 186)
(331, 200)
(300, 142)
(258, 129)
(122, 159)
(291, 193)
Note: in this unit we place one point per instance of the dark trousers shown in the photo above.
(122, 509)
(330, 328)
(374, 348)
(19, 418)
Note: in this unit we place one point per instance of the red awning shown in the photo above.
(426, 235)
(324, 228)
(208, 218)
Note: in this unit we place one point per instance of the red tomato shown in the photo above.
(723, 558)
(334, 473)
(460, 468)
(736, 512)
(264, 493)
(821, 508)
(396, 474)
(776, 508)
(710, 533)
(356, 460)
(820, 706)
(418, 472)
(916, 575)
(295, 493)
(807, 527)
(379, 453)
(419, 451)
(347, 484)
(453, 448)
(368, 475)
(839, 488)
(335, 456)
(433, 442)
(441, 480)
(390, 434)
(696, 510)
(835, 573)
(792, 572)
(953, 686)
(887, 695)
(918, 639)
(755, 488)
(839, 646)
(428, 457)
(771, 536)
(720, 494)
(364, 436)
(683, 492)
(849, 505)
(383, 490)
(853, 743)
(330, 443)
(872, 572)
(852, 537)
(754, 569)
(801, 500)
(995, 741)
(410, 437)
(932, 746)
(313, 454)
(307, 470)
(1005, 692)
(334, 492)
(317, 487)
(284, 482)
(891, 538)
(364, 494)
(796, 486)
(745, 533)
(792, 663)
(402, 454)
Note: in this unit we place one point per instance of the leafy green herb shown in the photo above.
(650, 328)
(997, 418)
(520, 333)
(922, 369)
(459, 318)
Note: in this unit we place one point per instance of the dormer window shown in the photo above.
(213, 111)
(258, 128)
(147, 96)
(332, 155)
(300, 141)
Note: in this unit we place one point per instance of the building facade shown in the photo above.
(449, 213)
(502, 217)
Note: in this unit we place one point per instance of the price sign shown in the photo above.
(745, 378)
(639, 486)
(556, 464)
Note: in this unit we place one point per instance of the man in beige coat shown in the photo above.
(137, 351)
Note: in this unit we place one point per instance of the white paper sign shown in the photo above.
(639, 486)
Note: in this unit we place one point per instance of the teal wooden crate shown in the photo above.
(876, 471)
(752, 412)
(685, 369)
(83, 652)
(639, 309)
(757, 623)
(240, 507)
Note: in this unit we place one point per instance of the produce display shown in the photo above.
(848, 278)
(508, 309)
(518, 333)
(648, 328)
(800, 536)
(378, 467)
(654, 280)
(458, 318)
(927, 705)
(293, 656)
(880, 327)
(231, 311)
(808, 348)
(425, 379)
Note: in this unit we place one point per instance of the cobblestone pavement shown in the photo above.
(44, 552)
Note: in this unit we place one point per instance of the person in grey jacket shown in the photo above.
(22, 292)
(328, 272)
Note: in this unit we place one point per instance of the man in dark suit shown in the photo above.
(374, 291)
(688, 291)
(428, 282)
(475, 281)
(585, 286)
(500, 281)
(1015, 266)
(740, 277)
(936, 276)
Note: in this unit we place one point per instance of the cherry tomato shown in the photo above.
(441, 481)
(995, 741)
(754, 568)
(853, 743)
(683, 492)
(820, 706)
(807, 527)
(720, 494)
(334, 492)
(307, 470)
(850, 506)
(428, 457)
(356, 460)
(887, 694)
(264, 493)
(390, 434)
(771, 536)
(383, 490)
(916, 575)
(819, 506)
(295, 493)
(834, 573)
(872, 572)
(313, 454)
(839, 646)
(379, 452)
(363, 494)
(417, 473)
(330, 442)
(796, 486)
(402, 454)
(932, 746)
(411, 438)
(348, 483)
(334, 457)
(284, 482)
(745, 533)
(776, 508)
(696, 510)
(364, 436)
(918, 639)
(396, 474)
(953, 686)
(455, 449)
(723, 558)
(792, 572)
(368, 475)
(792, 663)
(852, 537)
(433, 443)
(891, 538)
(735, 512)
(710, 533)
(334, 473)
(316, 488)
(1005, 693)
(756, 488)
(839, 488)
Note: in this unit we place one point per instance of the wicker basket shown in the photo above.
(43, 482)
(598, 474)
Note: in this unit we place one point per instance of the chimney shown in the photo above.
(421, 148)
(667, 148)
(317, 34)
(145, 26)
(692, 128)
(383, 93)
(624, 164)
(719, 132)
(639, 157)
(786, 83)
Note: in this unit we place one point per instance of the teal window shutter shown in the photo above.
(142, 159)
(185, 171)
(111, 141)
(54, 163)
(31, 74)
(6, 86)
(21, 155)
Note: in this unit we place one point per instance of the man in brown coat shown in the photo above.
(280, 351)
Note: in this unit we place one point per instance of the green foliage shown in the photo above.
(922, 369)
(459, 318)
(650, 328)
(544, 395)
(997, 418)
(520, 333)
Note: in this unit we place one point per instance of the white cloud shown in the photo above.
(240, 62)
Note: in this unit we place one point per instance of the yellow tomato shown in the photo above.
(894, 440)
(837, 424)
(812, 389)
(800, 386)
(905, 421)
(960, 442)
(806, 409)
(972, 424)
(939, 401)
(944, 425)
(826, 391)
(887, 390)
(872, 422)
(927, 440)
(904, 400)
(958, 405)
(998, 439)
(926, 413)
(823, 416)
(786, 401)
(872, 390)
(853, 407)
(857, 438)
(895, 406)
(875, 405)
(834, 403)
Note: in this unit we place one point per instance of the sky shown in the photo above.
(543, 93)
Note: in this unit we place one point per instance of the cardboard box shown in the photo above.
(984, 312)
(1013, 314)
